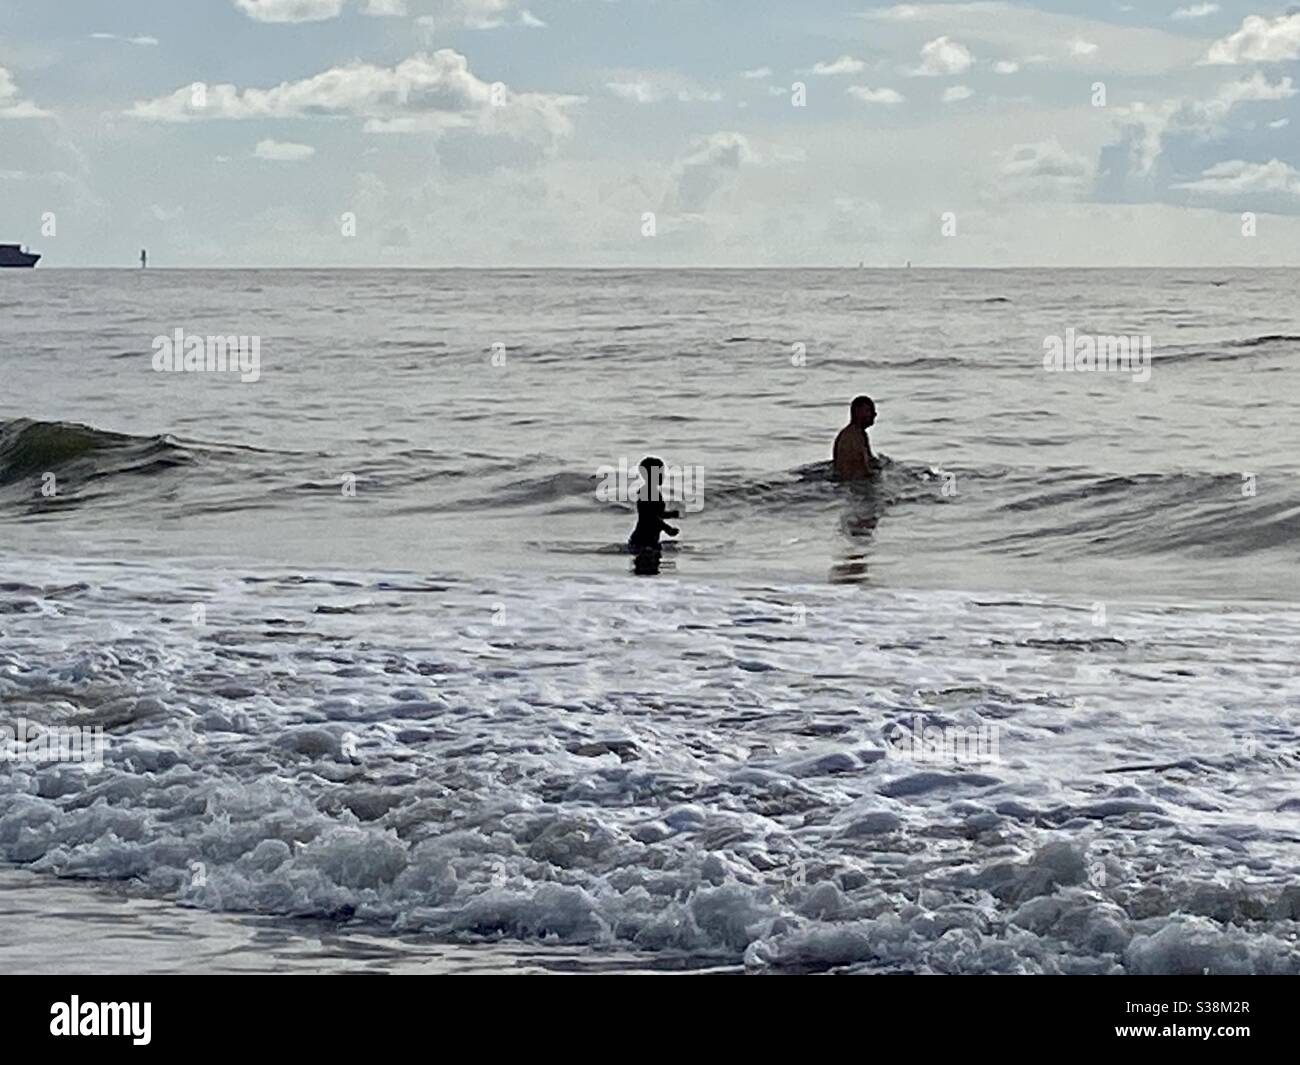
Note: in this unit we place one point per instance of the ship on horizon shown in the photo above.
(13, 255)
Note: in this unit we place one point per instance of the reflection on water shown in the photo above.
(849, 570)
(51, 926)
(863, 507)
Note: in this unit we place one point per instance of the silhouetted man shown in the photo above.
(852, 451)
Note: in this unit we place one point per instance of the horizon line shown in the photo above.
(892, 269)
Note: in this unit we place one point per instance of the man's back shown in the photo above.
(851, 454)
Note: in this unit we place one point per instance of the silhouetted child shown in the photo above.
(650, 509)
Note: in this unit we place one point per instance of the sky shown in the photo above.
(653, 133)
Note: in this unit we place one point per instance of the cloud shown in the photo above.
(290, 10)
(954, 93)
(1254, 89)
(147, 41)
(1006, 66)
(1026, 34)
(757, 74)
(1044, 170)
(469, 14)
(1260, 40)
(659, 86)
(1195, 11)
(11, 106)
(924, 12)
(1080, 47)
(1238, 177)
(843, 65)
(283, 151)
(943, 56)
(874, 96)
(712, 161)
(454, 14)
(423, 94)
(1147, 128)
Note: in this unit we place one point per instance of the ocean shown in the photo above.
(353, 632)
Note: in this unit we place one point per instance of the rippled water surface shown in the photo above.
(441, 713)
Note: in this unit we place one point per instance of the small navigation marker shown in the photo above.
(144, 258)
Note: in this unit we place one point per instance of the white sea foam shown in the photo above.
(671, 767)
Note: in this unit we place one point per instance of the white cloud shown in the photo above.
(1238, 177)
(944, 56)
(923, 12)
(11, 106)
(957, 92)
(1254, 89)
(1148, 127)
(1026, 34)
(1080, 47)
(470, 14)
(757, 74)
(283, 151)
(706, 168)
(638, 92)
(843, 65)
(1195, 11)
(1006, 66)
(875, 96)
(290, 10)
(1205, 117)
(425, 93)
(1260, 40)
(657, 87)
(148, 41)
(1280, 123)
(1045, 170)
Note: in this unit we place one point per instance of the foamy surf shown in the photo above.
(730, 775)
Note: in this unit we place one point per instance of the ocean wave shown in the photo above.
(997, 511)
(30, 448)
(679, 770)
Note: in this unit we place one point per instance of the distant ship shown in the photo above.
(12, 255)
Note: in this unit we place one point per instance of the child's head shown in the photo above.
(652, 471)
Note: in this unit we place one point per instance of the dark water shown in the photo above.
(1001, 474)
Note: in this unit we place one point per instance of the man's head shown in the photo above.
(862, 412)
